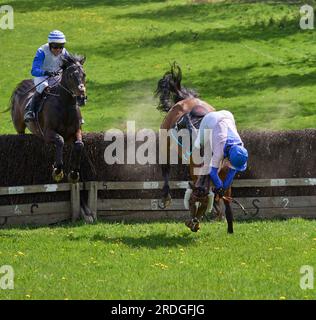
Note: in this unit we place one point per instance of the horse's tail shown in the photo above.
(169, 89)
(20, 90)
(11, 102)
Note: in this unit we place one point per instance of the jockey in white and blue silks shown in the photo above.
(225, 143)
(46, 66)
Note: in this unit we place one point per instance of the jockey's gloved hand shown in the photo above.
(219, 191)
(51, 73)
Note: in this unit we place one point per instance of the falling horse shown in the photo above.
(60, 119)
(185, 110)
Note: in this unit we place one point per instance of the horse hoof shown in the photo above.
(90, 220)
(73, 177)
(194, 227)
(165, 202)
(168, 202)
(188, 224)
(58, 174)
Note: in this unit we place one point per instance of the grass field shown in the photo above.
(250, 58)
(262, 260)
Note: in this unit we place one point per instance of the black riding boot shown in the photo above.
(32, 106)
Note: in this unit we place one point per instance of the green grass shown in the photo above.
(250, 58)
(262, 260)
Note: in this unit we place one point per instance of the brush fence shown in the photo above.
(145, 209)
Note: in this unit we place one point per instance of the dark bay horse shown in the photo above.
(60, 118)
(182, 105)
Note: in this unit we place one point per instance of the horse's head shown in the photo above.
(198, 202)
(74, 77)
(169, 89)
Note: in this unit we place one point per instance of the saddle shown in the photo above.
(193, 118)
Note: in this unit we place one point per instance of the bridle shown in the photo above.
(67, 89)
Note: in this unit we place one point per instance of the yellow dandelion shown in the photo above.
(161, 266)
(28, 296)
(21, 253)
(282, 298)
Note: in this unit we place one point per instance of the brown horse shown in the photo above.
(186, 110)
(60, 119)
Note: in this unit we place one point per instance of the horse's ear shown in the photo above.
(82, 60)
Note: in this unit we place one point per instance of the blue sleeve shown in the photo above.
(215, 178)
(37, 63)
(229, 178)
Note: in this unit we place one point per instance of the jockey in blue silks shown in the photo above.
(225, 144)
(46, 65)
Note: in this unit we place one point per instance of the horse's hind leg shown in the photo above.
(20, 129)
(229, 216)
(19, 124)
(18, 120)
(166, 197)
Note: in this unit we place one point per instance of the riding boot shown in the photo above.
(32, 107)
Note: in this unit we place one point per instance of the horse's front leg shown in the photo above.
(229, 216)
(78, 146)
(51, 136)
(229, 212)
(166, 197)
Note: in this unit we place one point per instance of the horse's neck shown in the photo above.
(65, 96)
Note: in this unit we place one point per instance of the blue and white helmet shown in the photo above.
(56, 36)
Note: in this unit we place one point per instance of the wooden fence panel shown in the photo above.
(35, 209)
(147, 209)
(41, 219)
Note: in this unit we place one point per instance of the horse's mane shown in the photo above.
(170, 91)
(72, 59)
